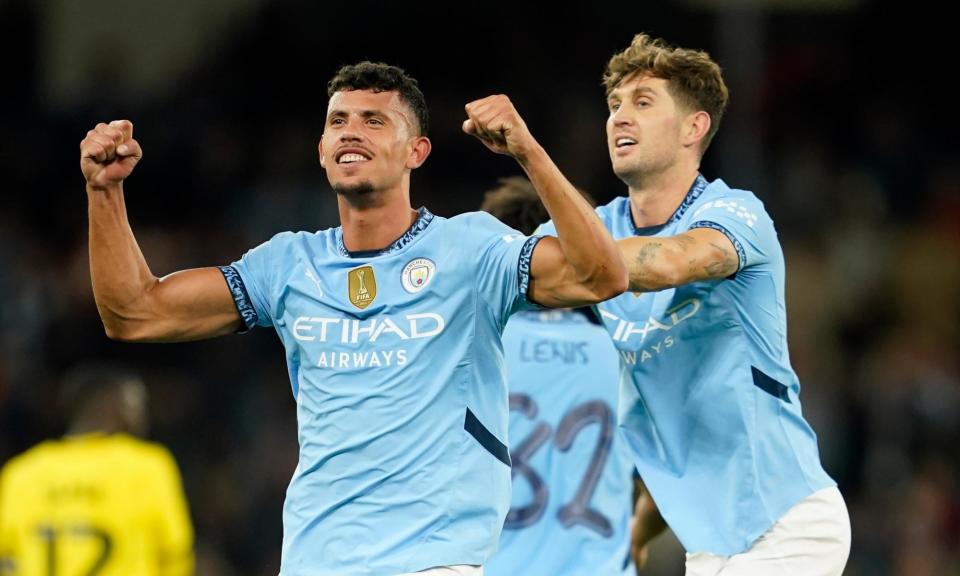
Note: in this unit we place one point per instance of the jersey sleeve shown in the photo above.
(174, 546)
(744, 221)
(546, 229)
(254, 280)
(503, 256)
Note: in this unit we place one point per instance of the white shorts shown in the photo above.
(811, 539)
(458, 570)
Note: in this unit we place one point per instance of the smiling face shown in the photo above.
(645, 127)
(369, 142)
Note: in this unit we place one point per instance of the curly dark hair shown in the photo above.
(380, 77)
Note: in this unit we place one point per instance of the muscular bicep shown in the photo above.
(553, 281)
(658, 263)
(186, 305)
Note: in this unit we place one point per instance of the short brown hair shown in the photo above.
(516, 203)
(693, 78)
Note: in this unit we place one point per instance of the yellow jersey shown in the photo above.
(94, 505)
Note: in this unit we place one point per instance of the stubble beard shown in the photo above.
(360, 194)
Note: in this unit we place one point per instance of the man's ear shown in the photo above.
(419, 151)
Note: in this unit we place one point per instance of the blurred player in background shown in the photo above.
(100, 501)
(391, 324)
(711, 409)
(647, 524)
(572, 471)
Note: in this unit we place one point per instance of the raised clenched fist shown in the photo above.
(109, 153)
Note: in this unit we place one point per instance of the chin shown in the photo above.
(628, 173)
(360, 193)
(354, 188)
(623, 170)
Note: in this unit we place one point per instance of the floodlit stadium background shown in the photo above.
(841, 121)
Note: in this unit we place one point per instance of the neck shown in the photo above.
(374, 225)
(655, 197)
(83, 427)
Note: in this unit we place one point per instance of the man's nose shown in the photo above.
(621, 118)
(351, 131)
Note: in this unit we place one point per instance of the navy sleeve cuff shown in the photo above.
(741, 253)
(240, 297)
(523, 268)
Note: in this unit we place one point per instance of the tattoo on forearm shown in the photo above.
(726, 266)
(639, 270)
(647, 253)
(644, 273)
(714, 269)
(684, 241)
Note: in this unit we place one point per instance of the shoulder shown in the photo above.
(720, 199)
(145, 450)
(23, 465)
(609, 213)
(613, 209)
(480, 227)
(477, 220)
(286, 248)
(302, 239)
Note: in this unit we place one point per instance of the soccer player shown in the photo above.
(711, 406)
(572, 472)
(99, 501)
(391, 324)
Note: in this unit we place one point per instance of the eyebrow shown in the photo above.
(645, 90)
(338, 113)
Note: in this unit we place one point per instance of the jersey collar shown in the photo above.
(699, 185)
(424, 217)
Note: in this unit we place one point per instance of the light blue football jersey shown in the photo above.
(710, 404)
(572, 471)
(397, 369)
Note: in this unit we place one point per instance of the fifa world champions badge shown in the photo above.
(362, 286)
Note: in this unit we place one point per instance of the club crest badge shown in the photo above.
(417, 274)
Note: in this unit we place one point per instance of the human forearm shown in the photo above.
(657, 263)
(119, 273)
(133, 303)
(586, 245)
